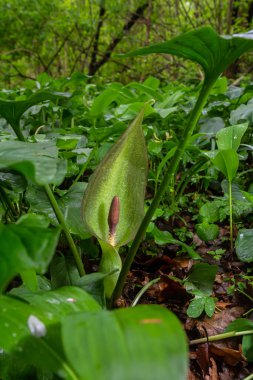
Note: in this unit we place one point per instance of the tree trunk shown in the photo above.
(95, 64)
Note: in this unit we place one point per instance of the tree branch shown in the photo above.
(95, 66)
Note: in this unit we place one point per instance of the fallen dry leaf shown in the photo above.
(228, 355)
(219, 321)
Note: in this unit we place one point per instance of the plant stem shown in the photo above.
(143, 290)
(227, 335)
(230, 215)
(195, 114)
(62, 223)
(18, 132)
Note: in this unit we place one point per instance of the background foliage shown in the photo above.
(63, 36)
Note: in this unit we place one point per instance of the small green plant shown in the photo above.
(217, 254)
(200, 284)
(54, 331)
(227, 161)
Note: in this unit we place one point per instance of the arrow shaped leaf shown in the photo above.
(205, 47)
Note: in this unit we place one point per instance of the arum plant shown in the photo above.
(213, 53)
(12, 111)
(113, 204)
(227, 161)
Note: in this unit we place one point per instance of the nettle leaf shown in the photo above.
(243, 245)
(38, 162)
(29, 244)
(143, 343)
(227, 162)
(12, 110)
(230, 137)
(205, 47)
(123, 174)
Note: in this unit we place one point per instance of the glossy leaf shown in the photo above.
(121, 173)
(29, 244)
(38, 162)
(230, 137)
(49, 309)
(12, 110)
(205, 47)
(243, 112)
(244, 244)
(63, 272)
(227, 162)
(71, 204)
(141, 343)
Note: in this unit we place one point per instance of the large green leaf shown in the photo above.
(121, 173)
(29, 244)
(103, 100)
(64, 272)
(71, 203)
(244, 245)
(38, 162)
(30, 329)
(230, 137)
(144, 343)
(205, 47)
(12, 110)
(227, 162)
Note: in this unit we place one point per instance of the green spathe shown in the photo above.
(122, 173)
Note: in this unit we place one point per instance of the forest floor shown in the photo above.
(219, 360)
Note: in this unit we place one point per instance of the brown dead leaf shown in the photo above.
(213, 373)
(172, 291)
(184, 263)
(220, 305)
(228, 355)
(219, 321)
(203, 358)
(191, 376)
